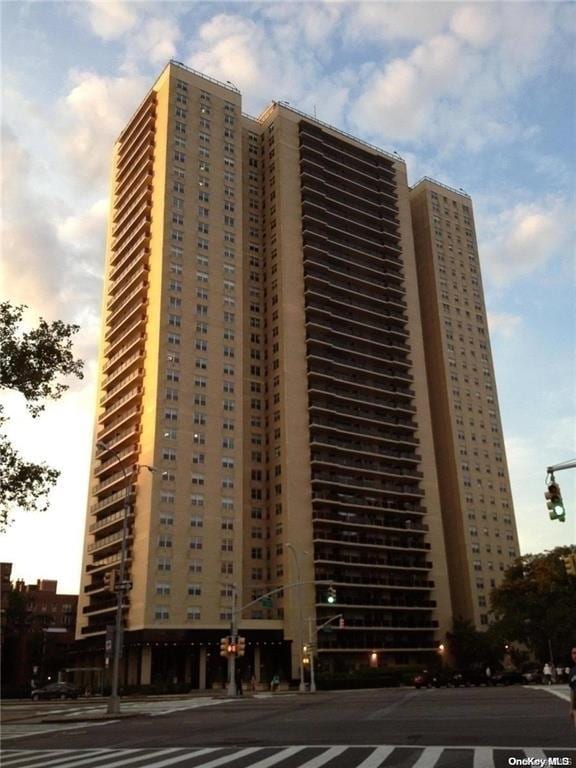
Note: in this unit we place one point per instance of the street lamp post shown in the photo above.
(292, 549)
(233, 633)
(122, 587)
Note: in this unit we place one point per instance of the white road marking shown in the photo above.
(429, 757)
(483, 757)
(316, 762)
(266, 762)
(377, 757)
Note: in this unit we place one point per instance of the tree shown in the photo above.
(534, 604)
(32, 363)
(469, 648)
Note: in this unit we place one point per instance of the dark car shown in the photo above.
(427, 679)
(507, 678)
(56, 691)
(469, 677)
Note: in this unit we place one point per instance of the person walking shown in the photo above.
(547, 674)
(572, 686)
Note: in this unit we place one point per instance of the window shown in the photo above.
(193, 614)
(195, 589)
(161, 613)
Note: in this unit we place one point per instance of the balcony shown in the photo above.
(368, 561)
(114, 499)
(120, 362)
(125, 260)
(129, 204)
(108, 542)
(136, 285)
(116, 439)
(333, 198)
(364, 466)
(318, 331)
(116, 519)
(351, 321)
(349, 387)
(360, 483)
(123, 417)
(135, 331)
(350, 296)
(339, 175)
(397, 524)
(349, 501)
(363, 541)
(102, 606)
(316, 301)
(349, 281)
(113, 462)
(360, 415)
(126, 381)
(365, 448)
(364, 580)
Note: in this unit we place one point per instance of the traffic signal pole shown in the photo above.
(553, 494)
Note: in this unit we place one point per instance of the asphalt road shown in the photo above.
(447, 728)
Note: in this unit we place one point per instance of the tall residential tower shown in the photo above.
(272, 352)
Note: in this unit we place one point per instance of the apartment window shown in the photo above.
(167, 497)
(162, 588)
(195, 590)
(165, 541)
(193, 614)
(196, 542)
(195, 566)
(197, 500)
(197, 479)
(227, 545)
(161, 613)
(168, 454)
(164, 564)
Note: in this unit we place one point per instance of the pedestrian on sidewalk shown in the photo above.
(547, 674)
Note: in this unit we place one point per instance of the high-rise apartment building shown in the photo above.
(480, 530)
(270, 349)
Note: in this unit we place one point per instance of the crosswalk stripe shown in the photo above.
(222, 760)
(429, 757)
(169, 761)
(325, 757)
(483, 757)
(377, 757)
(66, 759)
(10, 760)
(266, 762)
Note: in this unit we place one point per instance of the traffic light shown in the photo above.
(331, 597)
(224, 642)
(232, 645)
(554, 502)
(570, 564)
(241, 646)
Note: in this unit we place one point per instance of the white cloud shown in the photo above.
(504, 323)
(110, 19)
(456, 87)
(92, 115)
(389, 21)
(523, 239)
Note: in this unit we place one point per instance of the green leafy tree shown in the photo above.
(32, 363)
(535, 604)
(469, 648)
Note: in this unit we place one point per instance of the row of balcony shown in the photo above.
(366, 448)
(372, 468)
(375, 377)
(372, 189)
(363, 580)
(356, 520)
(351, 156)
(126, 381)
(347, 556)
(341, 354)
(338, 218)
(348, 319)
(335, 497)
(318, 330)
(342, 426)
(365, 541)
(349, 206)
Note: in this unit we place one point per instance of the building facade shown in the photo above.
(267, 408)
(480, 530)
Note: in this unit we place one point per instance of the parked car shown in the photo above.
(532, 673)
(468, 677)
(427, 679)
(56, 691)
(507, 678)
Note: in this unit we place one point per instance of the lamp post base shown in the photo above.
(113, 707)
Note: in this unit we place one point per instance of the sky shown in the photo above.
(479, 96)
